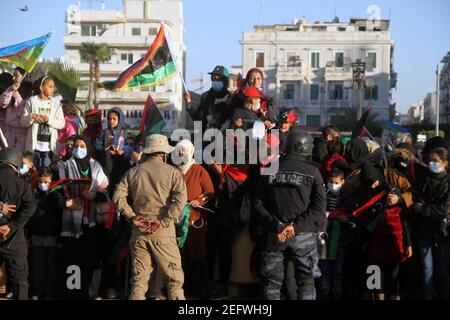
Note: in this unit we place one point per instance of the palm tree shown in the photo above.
(6, 67)
(95, 54)
(349, 119)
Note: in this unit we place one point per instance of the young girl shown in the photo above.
(43, 117)
(14, 99)
(70, 128)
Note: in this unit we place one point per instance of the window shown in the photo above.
(167, 114)
(136, 31)
(312, 121)
(127, 57)
(339, 59)
(371, 61)
(289, 91)
(337, 120)
(88, 30)
(336, 92)
(314, 92)
(259, 63)
(315, 60)
(152, 31)
(293, 60)
(371, 93)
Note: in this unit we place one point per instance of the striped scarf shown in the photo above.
(73, 219)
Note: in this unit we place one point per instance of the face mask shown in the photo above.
(334, 187)
(44, 186)
(24, 169)
(217, 85)
(435, 167)
(79, 153)
(127, 151)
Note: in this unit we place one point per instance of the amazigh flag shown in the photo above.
(395, 128)
(156, 67)
(152, 121)
(359, 127)
(25, 54)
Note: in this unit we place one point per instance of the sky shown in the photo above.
(420, 30)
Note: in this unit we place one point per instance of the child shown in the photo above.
(43, 117)
(14, 98)
(93, 118)
(244, 118)
(44, 228)
(332, 261)
(28, 170)
(335, 149)
(70, 128)
(113, 138)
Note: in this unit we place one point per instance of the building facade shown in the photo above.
(416, 111)
(129, 32)
(444, 89)
(429, 108)
(308, 66)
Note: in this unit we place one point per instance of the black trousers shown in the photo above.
(15, 255)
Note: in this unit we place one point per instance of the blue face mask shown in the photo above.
(24, 169)
(334, 187)
(79, 153)
(435, 167)
(217, 85)
(127, 151)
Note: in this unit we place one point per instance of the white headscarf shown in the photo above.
(187, 148)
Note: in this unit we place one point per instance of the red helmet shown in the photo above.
(252, 92)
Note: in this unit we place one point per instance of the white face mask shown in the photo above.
(44, 186)
(334, 187)
(435, 167)
(79, 153)
(24, 169)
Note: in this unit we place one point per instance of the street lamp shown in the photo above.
(359, 70)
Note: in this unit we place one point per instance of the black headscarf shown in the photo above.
(356, 153)
(370, 173)
(83, 164)
(433, 143)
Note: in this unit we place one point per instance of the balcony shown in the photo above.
(338, 73)
(289, 73)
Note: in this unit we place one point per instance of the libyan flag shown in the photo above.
(152, 121)
(156, 67)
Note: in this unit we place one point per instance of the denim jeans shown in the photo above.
(42, 159)
(330, 283)
(435, 262)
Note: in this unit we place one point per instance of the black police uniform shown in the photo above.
(296, 193)
(14, 190)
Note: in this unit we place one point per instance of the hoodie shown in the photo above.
(118, 134)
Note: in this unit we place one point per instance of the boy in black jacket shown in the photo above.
(44, 228)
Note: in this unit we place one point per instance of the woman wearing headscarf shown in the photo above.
(200, 190)
(79, 230)
(255, 78)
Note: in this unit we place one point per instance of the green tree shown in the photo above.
(348, 119)
(95, 54)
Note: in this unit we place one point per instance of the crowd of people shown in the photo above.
(140, 225)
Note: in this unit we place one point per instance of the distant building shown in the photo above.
(307, 66)
(444, 88)
(130, 32)
(416, 111)
(429, 108)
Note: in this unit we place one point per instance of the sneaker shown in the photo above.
(9, 295)
(34, 298)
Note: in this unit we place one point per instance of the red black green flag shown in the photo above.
(152, 121)
(156, 67)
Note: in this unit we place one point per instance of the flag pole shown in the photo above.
(171, 52)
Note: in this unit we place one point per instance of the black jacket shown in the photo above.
(433, 192)
(47, 219)
(296, 193)
(320, 150)
(15, 190)
(212, 103)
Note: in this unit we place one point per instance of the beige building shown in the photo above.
(308, 66)
(444, 88)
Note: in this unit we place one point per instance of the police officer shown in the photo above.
(18, 205)
(292, 204)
